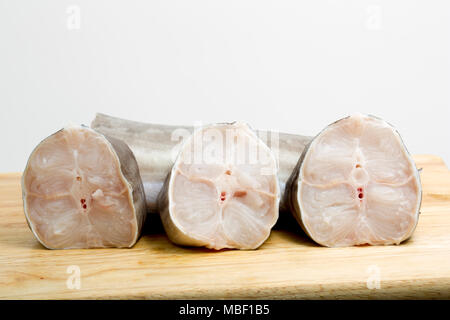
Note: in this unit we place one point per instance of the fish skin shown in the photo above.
(155, 150)
(130, 170)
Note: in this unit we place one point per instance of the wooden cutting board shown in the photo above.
(287, 266)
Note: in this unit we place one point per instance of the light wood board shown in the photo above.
(287, 266)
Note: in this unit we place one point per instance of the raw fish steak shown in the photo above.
(356, 184)
(222, 191)
(83, 190)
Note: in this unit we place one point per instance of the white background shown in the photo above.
(293, 66)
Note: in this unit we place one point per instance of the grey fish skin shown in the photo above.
(156, 146)
(130, 170)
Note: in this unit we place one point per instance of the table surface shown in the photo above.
(287, 266)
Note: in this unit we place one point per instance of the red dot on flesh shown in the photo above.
(360, 196)
(84, 206)
(222, 195)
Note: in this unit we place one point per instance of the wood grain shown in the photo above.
(287, 266)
